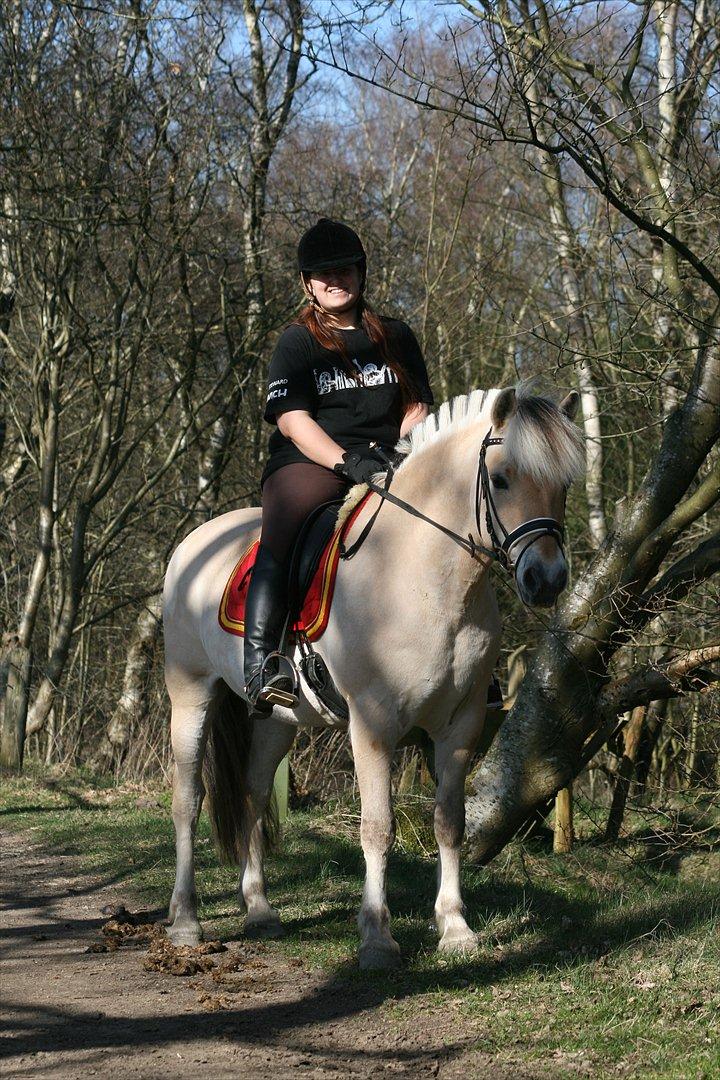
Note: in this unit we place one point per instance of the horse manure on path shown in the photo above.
(242, 972)
(182, 959)
(125, 929)
(135, 930)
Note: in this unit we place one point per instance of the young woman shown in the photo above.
(341, 378)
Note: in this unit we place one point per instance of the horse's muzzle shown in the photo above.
(540, 582)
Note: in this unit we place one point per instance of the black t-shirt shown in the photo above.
(304, 375)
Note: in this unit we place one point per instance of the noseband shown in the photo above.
(535, 528)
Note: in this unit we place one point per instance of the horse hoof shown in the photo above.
(379, 957)
(185, 933)
(265, 929)
(458, 941)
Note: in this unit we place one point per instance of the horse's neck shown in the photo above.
(440, 483)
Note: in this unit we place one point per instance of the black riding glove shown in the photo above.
(360, 466)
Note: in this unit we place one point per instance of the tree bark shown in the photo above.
(131, 709)
(14, 688)
(578, 335)
(631, 744)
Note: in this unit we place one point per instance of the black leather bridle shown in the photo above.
(535, 528)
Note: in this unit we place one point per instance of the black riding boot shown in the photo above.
(265, 614)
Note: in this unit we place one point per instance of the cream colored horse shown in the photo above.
(412, 640)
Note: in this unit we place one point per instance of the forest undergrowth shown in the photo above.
(603, 961)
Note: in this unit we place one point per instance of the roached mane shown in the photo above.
(540, 441)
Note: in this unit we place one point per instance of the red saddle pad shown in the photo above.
(316, 606)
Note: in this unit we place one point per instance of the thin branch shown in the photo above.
(668, 678)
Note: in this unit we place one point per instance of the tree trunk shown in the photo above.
(131, 709)
(631, 743)
(8, 286)
(14, 688)
(48, 450)
(652, 730)
(61, 640)
(578, 340)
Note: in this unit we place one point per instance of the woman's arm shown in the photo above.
(299, 426)
(413, 416)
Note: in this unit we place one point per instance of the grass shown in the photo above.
(604, 961)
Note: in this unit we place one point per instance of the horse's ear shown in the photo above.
(504, 406)
(569, 404)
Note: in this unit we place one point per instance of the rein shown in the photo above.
(534, 527)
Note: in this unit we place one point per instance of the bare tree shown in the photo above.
(109, 245)
(251, 120)
(629, 121)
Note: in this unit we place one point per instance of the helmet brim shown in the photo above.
(331, 263)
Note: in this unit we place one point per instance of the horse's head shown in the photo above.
(531, 455)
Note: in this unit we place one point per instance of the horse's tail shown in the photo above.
(225, 775)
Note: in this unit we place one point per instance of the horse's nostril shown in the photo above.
(531, 578)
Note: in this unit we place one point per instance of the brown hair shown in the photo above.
(331, 338)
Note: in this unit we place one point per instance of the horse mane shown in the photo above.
(540, 441)
(452, 415)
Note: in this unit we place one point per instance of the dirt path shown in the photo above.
(70, 1013)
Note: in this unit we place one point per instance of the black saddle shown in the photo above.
(316, 530)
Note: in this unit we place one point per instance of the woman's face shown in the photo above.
(336, 291)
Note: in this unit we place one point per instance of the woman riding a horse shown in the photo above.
(413, 632)
(342, 380)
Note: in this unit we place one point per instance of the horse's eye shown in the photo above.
(499, 482)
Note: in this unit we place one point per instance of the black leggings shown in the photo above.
(288, 496)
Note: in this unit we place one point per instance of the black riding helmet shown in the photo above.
(329, 245)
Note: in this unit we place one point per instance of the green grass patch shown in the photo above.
(604, 961)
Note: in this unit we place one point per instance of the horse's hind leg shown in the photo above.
(453, 755)
(189, 734)
(271, 741)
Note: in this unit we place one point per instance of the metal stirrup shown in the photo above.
(273, 694)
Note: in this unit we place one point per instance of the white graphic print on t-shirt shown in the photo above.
(277, 389)
(369, 375)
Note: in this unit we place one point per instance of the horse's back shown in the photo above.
(201, 565)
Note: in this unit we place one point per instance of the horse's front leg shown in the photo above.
(373, 757)
(453, 754)
(271, 741)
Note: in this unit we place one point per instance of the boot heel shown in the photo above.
(283, 687)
